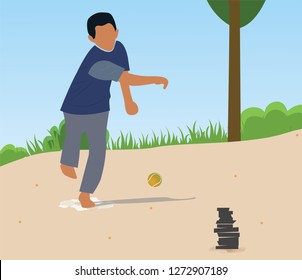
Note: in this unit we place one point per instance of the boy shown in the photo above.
(86, 105)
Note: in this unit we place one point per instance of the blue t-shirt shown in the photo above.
(87, 94)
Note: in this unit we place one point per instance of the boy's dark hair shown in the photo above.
(99, 19)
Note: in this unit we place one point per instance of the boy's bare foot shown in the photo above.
(68, 171)
(85, 200)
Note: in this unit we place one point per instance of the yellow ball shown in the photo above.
(154, 179)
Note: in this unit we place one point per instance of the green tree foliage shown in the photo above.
(248, 9)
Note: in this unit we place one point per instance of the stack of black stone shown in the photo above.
(228, 235)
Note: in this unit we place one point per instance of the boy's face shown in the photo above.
(105, 36)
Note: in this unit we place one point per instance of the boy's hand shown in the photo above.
(161, 80)
(131, 108)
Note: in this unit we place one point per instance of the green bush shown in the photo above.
(295, 117)
(10, 153)
(251, 112)
(253, 128)
(275, 106)
(295, 121)
(275, 120)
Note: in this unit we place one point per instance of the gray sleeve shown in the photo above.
(106, 70)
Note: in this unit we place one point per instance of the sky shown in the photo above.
(42, 44)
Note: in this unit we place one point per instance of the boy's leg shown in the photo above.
(71, 149)
(96, 128)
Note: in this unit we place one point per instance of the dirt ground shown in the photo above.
(260, 181)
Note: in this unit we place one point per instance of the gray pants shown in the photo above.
(95, 127)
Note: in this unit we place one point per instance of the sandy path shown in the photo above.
(259, 180)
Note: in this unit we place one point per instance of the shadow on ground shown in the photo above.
(142, 200)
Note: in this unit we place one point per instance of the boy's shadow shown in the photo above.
(141, 200)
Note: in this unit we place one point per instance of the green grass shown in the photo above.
(255, 123)
(55, 141)
(194, 135)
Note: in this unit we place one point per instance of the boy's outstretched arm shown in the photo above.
(106, 70)
(136, 80)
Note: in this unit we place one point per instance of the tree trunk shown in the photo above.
(234, 122)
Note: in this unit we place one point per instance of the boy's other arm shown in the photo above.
(108, 71)
(136, 80)
(130, 106)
